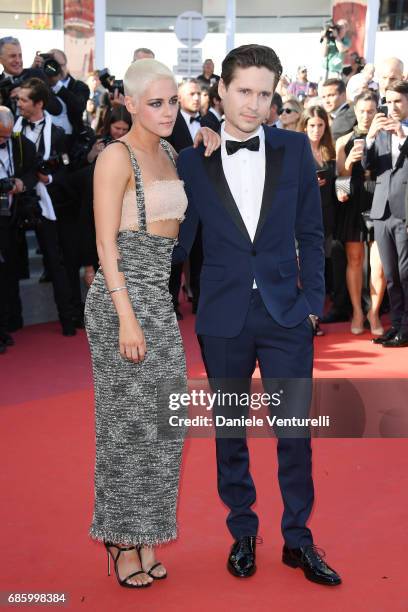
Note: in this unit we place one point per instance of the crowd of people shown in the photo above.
(53, 127)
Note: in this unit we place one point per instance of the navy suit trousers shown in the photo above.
(282, 353)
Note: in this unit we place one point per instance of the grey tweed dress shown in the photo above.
(136, 470)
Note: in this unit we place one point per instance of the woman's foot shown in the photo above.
(127, 563)
(150, 565)
(375, 324)
(357, 323)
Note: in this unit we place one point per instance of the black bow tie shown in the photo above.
(232, 146)
(27, 123)
(197, 118)
(3, 145)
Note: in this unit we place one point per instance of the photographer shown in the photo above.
(17, 176)
(387, 157)
(57, 230)
(334, 45)
(13, 75)
(72, 94)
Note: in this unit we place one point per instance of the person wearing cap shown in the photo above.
(300, 87)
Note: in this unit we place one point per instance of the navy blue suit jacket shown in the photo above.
(291, 287)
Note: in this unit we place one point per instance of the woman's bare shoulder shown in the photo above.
(114, 155)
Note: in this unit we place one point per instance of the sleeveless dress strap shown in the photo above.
(140, 199)
(167, 147)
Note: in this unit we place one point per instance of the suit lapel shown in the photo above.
(213, 165)
(273, 169)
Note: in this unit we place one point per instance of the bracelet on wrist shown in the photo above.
(117, 289)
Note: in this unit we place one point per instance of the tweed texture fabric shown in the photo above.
(137, 466)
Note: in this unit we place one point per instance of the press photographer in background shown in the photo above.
(335, 43)
(57, 233)
(14, 74)
(17, 206)
(72, 94)
(117, 123)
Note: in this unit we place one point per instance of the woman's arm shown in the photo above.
(112, 174)
(344, 164)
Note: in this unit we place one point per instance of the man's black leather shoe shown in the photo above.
(335, 317)
(68, 327)
(388, 335)
(78, 321)
(241, 562)
(6, 339)
(397, 341)
(312, 564)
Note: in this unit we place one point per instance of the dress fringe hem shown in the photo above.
(103, 535)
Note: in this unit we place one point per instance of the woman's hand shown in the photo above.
(210, 139)
(89, 275)
(342, 196)
(132, 342)
(97, 148)
(355, 155)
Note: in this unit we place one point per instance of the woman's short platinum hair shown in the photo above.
(141, 73)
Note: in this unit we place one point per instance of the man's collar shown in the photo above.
(187, 115)
(336, 112)
(225, 136)
(215, 112)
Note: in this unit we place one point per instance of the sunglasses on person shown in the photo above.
(288, 111)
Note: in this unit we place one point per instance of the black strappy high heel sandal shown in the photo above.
(149, 571)
(123, 582)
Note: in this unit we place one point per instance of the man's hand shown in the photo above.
(210, 139)
(38, 61)
(18, 186)
(43, 178)
(395, 126)
(380, 122)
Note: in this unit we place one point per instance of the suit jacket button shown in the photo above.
(253, 252)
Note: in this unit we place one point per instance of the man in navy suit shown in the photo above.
(255, 197)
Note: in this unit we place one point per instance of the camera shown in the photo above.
(106, 139)
(51, 165)
(110, 82)
(331, 30)
(27, 211)
(51, 67)
(383, 109)
(6, 185)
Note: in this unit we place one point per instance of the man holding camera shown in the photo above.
(13, 75)
(52, 234)
(387, 155)
(72, 94)
(17, 176)
(334, 45)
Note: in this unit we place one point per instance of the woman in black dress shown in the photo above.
(351, 227)
(315, 123)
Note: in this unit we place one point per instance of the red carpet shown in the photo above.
(47, 442)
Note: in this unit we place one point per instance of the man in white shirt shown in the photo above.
(256, 197)
(387, 157)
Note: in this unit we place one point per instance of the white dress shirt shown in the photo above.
(62, 119)
(245, 175)
(193, 126)
(6, 164)
(35, 136)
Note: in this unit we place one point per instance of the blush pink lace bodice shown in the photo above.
(164, 200)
